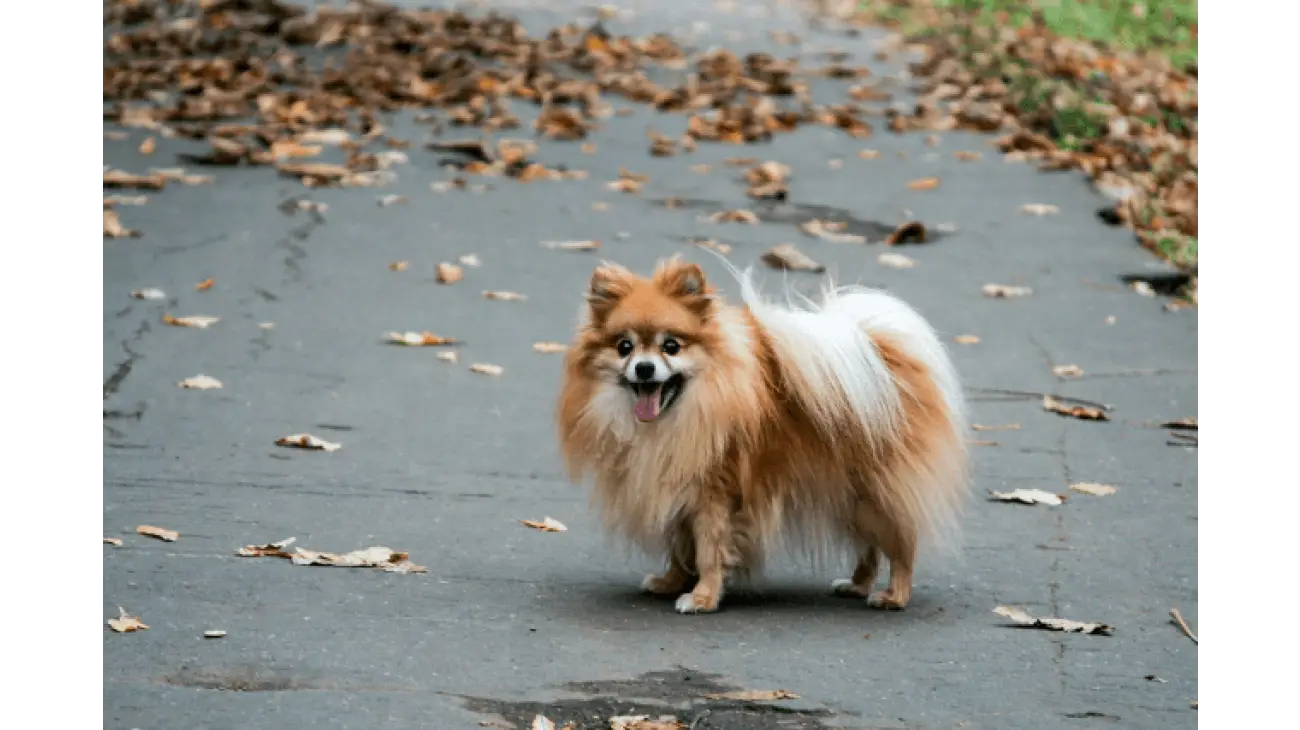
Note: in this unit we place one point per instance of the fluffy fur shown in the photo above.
(714, 433)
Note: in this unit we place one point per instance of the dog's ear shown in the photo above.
(609, 284)
(685, 282)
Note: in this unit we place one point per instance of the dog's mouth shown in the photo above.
(652, 399)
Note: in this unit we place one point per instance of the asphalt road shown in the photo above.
(443, 462)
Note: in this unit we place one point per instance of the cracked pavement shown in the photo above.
(441, 462)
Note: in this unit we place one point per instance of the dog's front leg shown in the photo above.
(714, 553)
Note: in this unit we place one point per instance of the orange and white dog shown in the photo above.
(716, 432)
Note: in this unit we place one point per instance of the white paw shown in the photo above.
(649, 581)
(843, 587)
(686, 604)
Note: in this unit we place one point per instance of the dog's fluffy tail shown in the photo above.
(867, 352)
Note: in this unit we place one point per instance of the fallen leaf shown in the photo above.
(505, 296)
(757, 695)
(787, 256)
(868, 154)
(200, 382)
(487, 369)
(830, 231)
(418, 339)
(1097, 490)
(548, 524)
(199, 321)
(981, 442)
(1021, 618)
(113, 227)
(114, 200)
(205, 285)
(925, 183)
(266, 325)
(966, 339)
(1039, 209)
(147, 146)
(627, 182)
(398, 265)
(701, 169)
(967, 156)
(124, 179)
(572, 245)
(710, 243)
(1002, 291)
(332, 137)
(550, 348)
(214, 634)
(895, 260)
(1004, 427)
(114, 541)
(283, 148)
(372, 557)
(126, 623)
(734, 216)
(588, 148)
(1085, 413)
(910, 232)
(470, 261)
(160, 533)
(448, 356)
(178, 174)
(644, 722)
(599, 205)
(308, 442)
(1027, 496)
(449, 273)
(1188, 423)
(388, 200)
(1067, 371)
(271, 549)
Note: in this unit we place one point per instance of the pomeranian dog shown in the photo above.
(716, 432)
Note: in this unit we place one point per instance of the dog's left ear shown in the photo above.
(685, 282)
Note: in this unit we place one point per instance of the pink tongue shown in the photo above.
(647, 406)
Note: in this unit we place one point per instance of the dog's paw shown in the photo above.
(845, 588)
(660, 585)
(690, 603)
(886, 601)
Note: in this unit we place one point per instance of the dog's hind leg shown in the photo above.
(864, 575)
(678, 577)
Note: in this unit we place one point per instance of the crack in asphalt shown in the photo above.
(123, 368)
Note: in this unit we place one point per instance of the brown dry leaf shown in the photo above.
(1067, 371)
(114, 541)
(830, 231)
(561, 123)
(624, 185)
(387, 559)
(1085, 413)
(150, 294)
(160, 533)
(214, 634)
(418, 339)
(1004, 427)
(1097, 490)
(470, 261)
(787, 256)
(124, 179)
(286, 148)
(115, 200)
(387, 200)
(148, 146)
(1188, 423)
(448, 273)
(487, 369)
(1002, 291)
(1039, 209)
(548, 524)
(1027, 496)
(572, 245)
(314, 174)
(1019, 617)
(589, 148)
(925, 183)
(200, 382)
(966, 339)
(868, 154)
(113, 227)
(644, 722)
(701, 169)
(308, 442)
(910, 232)
(734, 216)
(505, 296)
(198, 321)
(979, 442)
(600, 205)
(331, 137)
(710, 243)
(126, 623)
(271, 549)
(550, 348)
(398, 265)
(754, 695)
(448, 356)
(205, 285)
(967, 155)
(895, 260)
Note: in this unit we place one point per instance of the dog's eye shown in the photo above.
(671, 347)
(625, 348)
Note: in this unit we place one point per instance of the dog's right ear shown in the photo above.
(609, 284)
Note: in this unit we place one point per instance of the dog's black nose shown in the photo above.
(645, 370)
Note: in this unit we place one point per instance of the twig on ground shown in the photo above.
(1177, 618)
(1036, 394)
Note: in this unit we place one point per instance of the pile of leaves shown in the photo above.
(1127, 118)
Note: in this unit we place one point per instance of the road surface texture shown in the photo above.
(442, 462)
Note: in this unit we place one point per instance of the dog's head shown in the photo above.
(649, 337)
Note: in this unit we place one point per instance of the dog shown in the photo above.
(714, 433)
